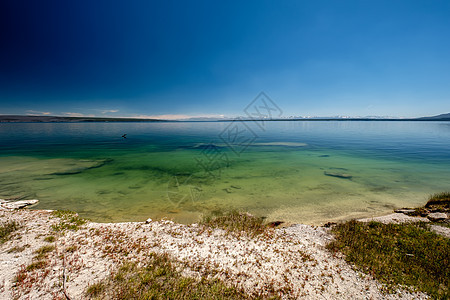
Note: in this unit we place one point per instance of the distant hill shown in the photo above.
(442, 117)
(16, 119)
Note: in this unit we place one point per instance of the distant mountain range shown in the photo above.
(18, 119)
(442, 117)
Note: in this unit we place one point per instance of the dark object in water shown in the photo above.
(124, 136)
(274, 224)
(338, 175)
(329, 224)
(325, 155)
(227, 190)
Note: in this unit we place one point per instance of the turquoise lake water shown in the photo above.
(297, 171)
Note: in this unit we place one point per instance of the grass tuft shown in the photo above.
(69, 221)
(159, 279)
(49, 239)
(43, 251)
(405, 254)
(40, 264)
(439, 201)
(235, 221)
(6, 229)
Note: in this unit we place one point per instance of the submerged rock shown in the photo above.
(18, 204)
(338, 175)
(406, 211)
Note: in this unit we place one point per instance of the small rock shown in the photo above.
(148, 221)
(329, 224)
(437, 216)
(405, 211)
(19, 204)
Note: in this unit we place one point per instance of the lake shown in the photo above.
(297, 171)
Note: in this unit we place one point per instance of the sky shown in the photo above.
(176, 59)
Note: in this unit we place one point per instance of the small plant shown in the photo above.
(49, 239)
(406, 254)
(43, 251)
(71, 249)
(40, 264)
(95, 289)
(6, 229)
(236, 222)
(69, 221)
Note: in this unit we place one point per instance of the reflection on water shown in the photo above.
(308, 172)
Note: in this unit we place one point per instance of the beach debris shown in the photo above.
(17, 204)
(236, 187)
(227, 190)
(437, 216)
(338, 175)
(275, 224)
(148, 221)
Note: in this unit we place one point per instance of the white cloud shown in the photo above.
(109, 111)
(72, 114)
(40, 113)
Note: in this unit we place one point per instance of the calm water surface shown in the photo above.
(307, 172)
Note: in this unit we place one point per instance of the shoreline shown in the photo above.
(290, 261)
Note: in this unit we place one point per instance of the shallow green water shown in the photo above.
(278, 170)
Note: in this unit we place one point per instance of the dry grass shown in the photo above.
(49, 239)
(236, 222)
(6, 229)
(159, 279)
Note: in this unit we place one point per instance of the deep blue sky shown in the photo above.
(130, 58)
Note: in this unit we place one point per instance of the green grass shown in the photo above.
(406, 254)
(237, 222)
(6, 229)
(159, 279)
(69, 221)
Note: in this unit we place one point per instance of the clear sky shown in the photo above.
(152, 58)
